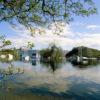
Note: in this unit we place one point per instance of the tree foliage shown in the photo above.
(13, 52)
(85, 52)
(30, 45)
(53, 53)
(4, 42)
(39, 12)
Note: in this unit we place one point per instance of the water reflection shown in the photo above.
(52, 65)
(33, 62)
(66, 81)
(91, 63)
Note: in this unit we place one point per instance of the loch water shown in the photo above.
(38, 81)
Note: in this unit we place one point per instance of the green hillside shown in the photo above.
(84, 51)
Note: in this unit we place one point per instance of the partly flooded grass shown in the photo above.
(28, 97)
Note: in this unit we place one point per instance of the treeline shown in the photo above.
(84, 51)
(13, 52)
(52, 53)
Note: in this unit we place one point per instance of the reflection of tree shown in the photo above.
(5, 74)
(33, 62)
(91, 63)
(52, 65)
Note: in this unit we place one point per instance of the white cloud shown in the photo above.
(67, 39)
(93, 27)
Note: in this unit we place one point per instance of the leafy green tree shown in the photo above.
(4, 42)
(39, 12)
(7, 42)
(14, 52)
(52, 54)
(30, 45)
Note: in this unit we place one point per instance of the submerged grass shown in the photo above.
(28, 97)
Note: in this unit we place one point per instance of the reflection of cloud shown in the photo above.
(42, 77)
(62, 79)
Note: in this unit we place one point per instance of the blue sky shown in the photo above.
(82, 31)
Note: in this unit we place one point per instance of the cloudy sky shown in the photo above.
(83, 31)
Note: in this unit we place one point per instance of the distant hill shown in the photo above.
(84, 51)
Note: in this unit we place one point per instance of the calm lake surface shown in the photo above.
(46, 82)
